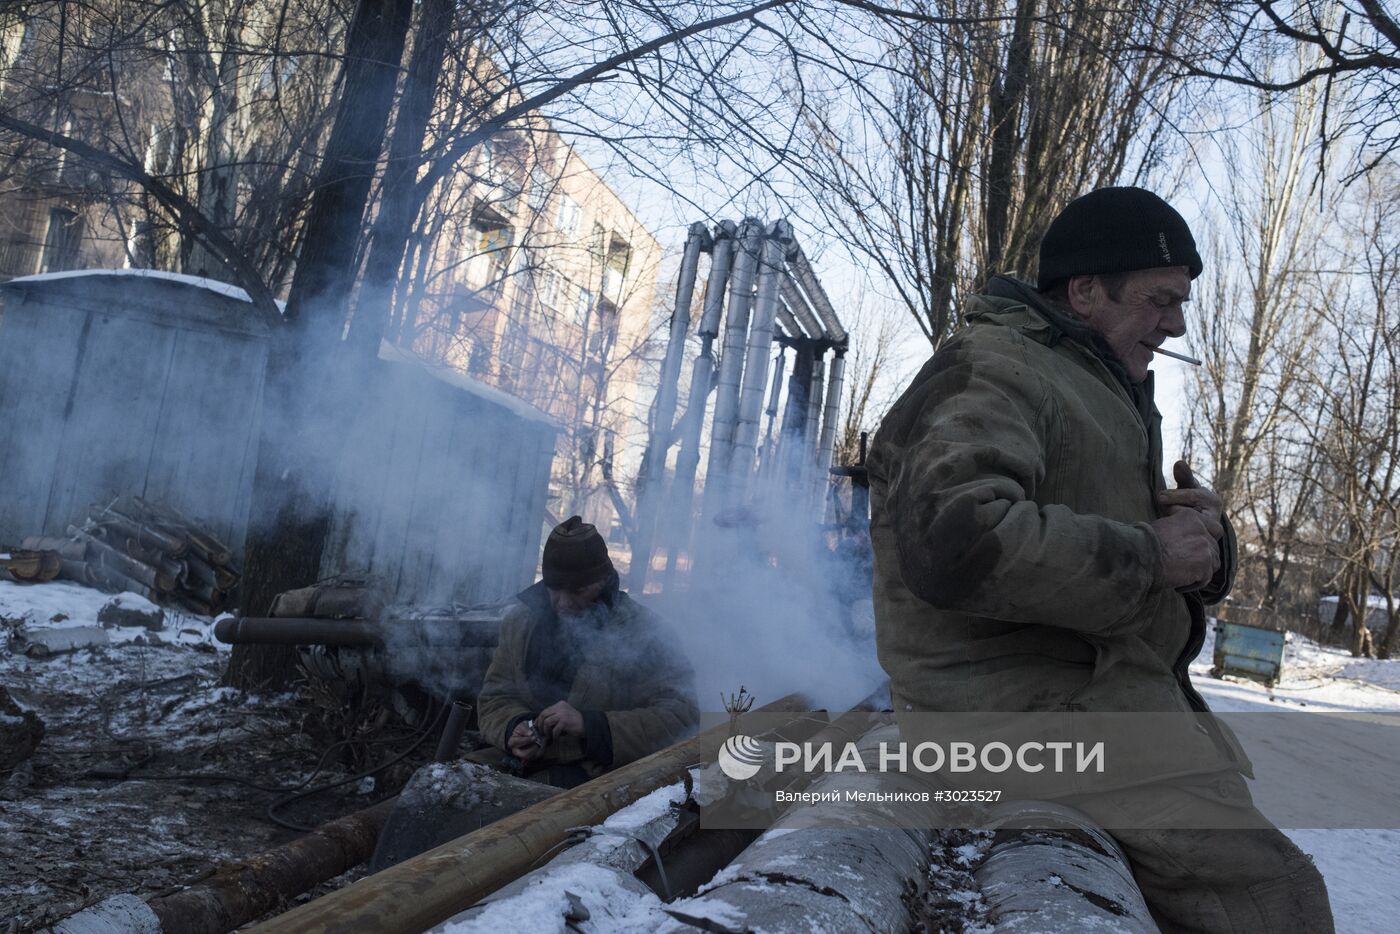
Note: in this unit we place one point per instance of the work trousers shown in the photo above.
(1233, 873)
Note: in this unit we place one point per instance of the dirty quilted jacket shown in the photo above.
(1011, 489)
(635, 691)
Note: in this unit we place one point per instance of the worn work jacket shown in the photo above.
(1012, 487)
(635, 691)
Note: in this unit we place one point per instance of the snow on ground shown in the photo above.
(106, 805)
(148, 707)
(62, 604)
(1361, 866)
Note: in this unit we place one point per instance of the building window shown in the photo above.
(61, 243)
(615, 271)
(567, 218)
(541, 184)
(550, 284)
(583, 307)
(486, 264)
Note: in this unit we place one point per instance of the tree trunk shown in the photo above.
(1005, 115)
(305, 386)
(1391, 645)
(402, 198)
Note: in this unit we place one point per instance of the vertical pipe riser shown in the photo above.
(835, 386)
(755, 378)
(731, 365)
(664, 412)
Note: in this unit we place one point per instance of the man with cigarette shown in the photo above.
(583, 679)
(1030, 557)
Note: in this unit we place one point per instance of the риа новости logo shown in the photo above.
(741, 757)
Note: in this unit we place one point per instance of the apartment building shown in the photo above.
(528, 272)
(546, 291)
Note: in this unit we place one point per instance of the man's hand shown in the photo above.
(1189, 549)
(522, 743)
(559, 720)
(1189, 494)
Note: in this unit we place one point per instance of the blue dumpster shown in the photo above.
(1248, 651)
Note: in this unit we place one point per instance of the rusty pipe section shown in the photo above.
(432, 887)
(238, 892)
(354, 633)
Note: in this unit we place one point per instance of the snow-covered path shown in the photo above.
(1362, 867)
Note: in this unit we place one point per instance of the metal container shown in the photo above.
(1248, 651)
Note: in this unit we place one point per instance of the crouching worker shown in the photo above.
(583, 679)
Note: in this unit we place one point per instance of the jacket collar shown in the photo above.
(1057, 325)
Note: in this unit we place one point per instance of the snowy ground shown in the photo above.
(107, 804)
(147, 708)
(1361, 866)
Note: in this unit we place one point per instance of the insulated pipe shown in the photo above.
(802, 272)
(814, 402)
(792, 297)
(788, 321)
(779, 368)
(1072, 878)
(681, 497)
(835, 383)
(430, 888)
(355, 633)
(770, 446)
(721, 263)
(807, 462)
(792, 433)
(731, 365)
(663, 412)
(799, 876)
(755, 380)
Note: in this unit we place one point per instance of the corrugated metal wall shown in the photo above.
(113, 383)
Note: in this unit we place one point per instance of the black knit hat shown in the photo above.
(1115, 230)
(575, 556)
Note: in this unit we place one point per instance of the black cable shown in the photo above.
(297, 796)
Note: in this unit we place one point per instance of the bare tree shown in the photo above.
(1360, 434)
(980, 121)
(1356, 43)
(1260, 318)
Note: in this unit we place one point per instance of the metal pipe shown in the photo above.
(755, 377)
(433, 886)
(792, 434)
(1071, 876)
(809, 483)
(721, 262)
(766, 464)
(731, 364)
(452, 732)
(779, 371)
(241, 891)
(814, 402)
(680, 499)
(663, 411)
(788, 320)
(353, 633)
(795, 301)
(801, 869)
(835, 384)
(802, 272)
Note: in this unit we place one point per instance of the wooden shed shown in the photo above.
(138, 382)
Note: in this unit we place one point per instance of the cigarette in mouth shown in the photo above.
(1176, 356)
